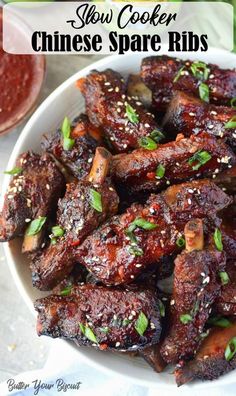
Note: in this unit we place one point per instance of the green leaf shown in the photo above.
(162, 308)
(230, 349)
(180, 242)
(141, 324)
(200, 158)
(204, 92)
(66, 291)
(218, 239)
(160, 171)
(157, 135)
(135, 251)
(178, 75)
(185, 318)
(14, 171)
(131, 114)
(233, 103)
(219, 321)
(224, 277)
(200, 70)
(66, 127)
(35, 226)
(89, 334)
(58, 231)
(147, 143)
(95, 200)
(140, 222)
(68, 143)
(231, 123)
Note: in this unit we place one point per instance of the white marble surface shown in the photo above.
(20, 348)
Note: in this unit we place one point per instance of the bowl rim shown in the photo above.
(104, 62)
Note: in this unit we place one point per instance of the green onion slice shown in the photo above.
(95, 200)
(141, 324)
(230, 349)
(200, 158)
(36, 226)
(185, 318)
(218, 239)
(131, 114)
(204, 92)
(14, 171)
(147, 143)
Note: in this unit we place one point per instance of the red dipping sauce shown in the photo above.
(21, 79)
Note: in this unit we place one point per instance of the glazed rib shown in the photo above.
(31, 194)
(113, 256)
(138, 170)
(159, 73)
(209, 362)
(78, 159)
(106, 106)
(190, 115)
(78, 218)
(196, 286)
(110, 314)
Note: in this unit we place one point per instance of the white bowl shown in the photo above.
(67, 100)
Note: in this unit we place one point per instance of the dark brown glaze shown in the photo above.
(196, 286)
(78, 219)
(209, 362)
(31, 194)
(106, 102)
(137, 170)
(226, 303)
(227, 180)
(153, 357)
(108, 251)
(159, 72)
(190, 115)
(98, 308)
(79, 159)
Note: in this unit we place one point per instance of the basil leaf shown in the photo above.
(224, 277)
(160, 171)
(178, 74)
(231, 123)
(147, 143)
(35, 226)
(230, 349)
(185, 318)
(157, 135)
(66, 291)
(14, 171)
(204, 92)
(219, 321)
(68, 143)
(200, 70)
(180, 242)
(201, 157)
(131, 114)
(141, 324)
(58, 231)
(218, 239)
(95, 200)
(135, 251)
(142, 223)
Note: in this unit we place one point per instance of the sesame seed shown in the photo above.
(211, 76)
(27, 220)
(189, 201)
(206, 280)
(210, 126)
(146, 125)
(130, 317)
(213, 112)
(47, 187)
(120, 103)
(117, 89)
(132, 276)
(172, 302)
(110, 90)
(118, 110)
(133, 313)
(192, 114)
(107, 83)
(138, 265)
(117, 344)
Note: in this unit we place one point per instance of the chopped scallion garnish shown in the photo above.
(14, 171)
(141, 324)
(131, 114)
(199, 158)
(230, 349)
(95, 200)
(68, 143)
(160, 171)
(204, 92)
(147, 143)
(218, 240)
(224, 277)
(185, 318)
(231, 123)
(178, 75)
(35, 226)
